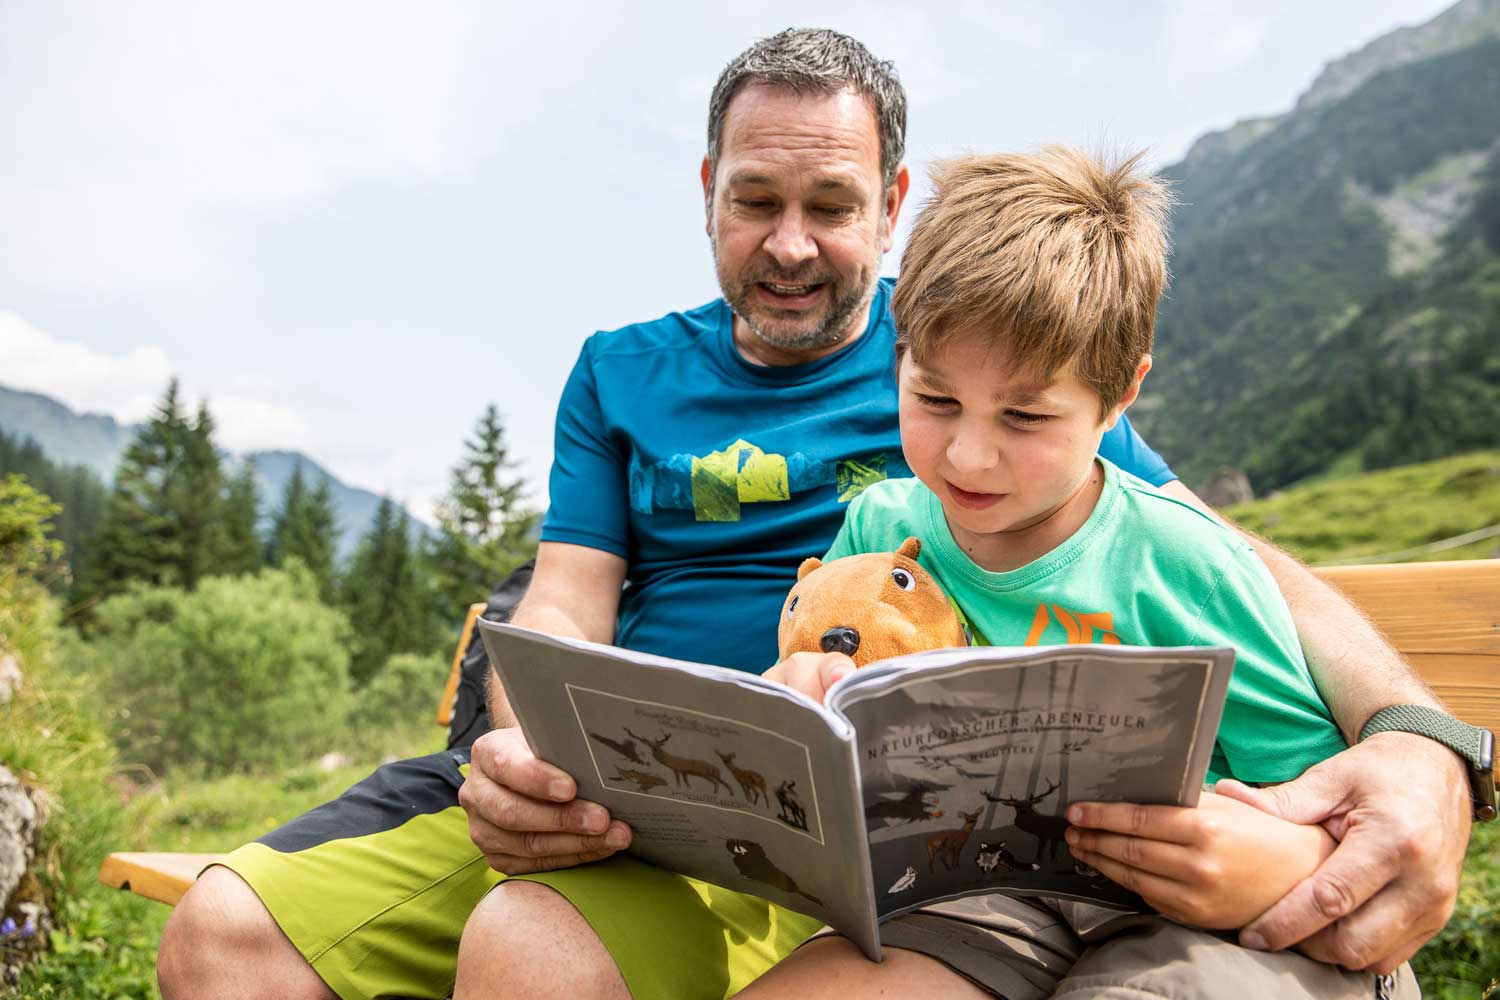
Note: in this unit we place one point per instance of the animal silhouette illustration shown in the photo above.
(910, 808)
(991, 858)
(644, 780)
(972, 775)
(683, 768)
(750, 858)
(625, 748)
(903, 883)
(792, 813)
(752, 783)
(949, 844)
(1046, 828)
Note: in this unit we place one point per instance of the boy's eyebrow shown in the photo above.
(1021, 395)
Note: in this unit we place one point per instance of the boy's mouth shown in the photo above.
(973, 501)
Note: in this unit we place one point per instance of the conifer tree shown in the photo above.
(242, 548)
(140, 537)
(305, 529)
(381, 593)
(195, 498)
(485, 530)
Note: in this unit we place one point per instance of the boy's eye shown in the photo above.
(936, 402)
(1022, 417)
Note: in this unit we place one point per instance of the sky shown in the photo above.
(349, 227)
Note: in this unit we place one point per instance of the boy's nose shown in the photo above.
(970, 450)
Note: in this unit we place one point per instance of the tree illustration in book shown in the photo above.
(971, 790)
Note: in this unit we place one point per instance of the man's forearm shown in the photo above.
(1356, 670)
(541, 617)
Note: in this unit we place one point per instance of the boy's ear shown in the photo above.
(1130, 394)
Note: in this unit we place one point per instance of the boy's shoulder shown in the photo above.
(1172, 526)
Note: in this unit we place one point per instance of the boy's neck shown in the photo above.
(1004, 551)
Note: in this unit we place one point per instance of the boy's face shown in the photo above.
(1002, 455)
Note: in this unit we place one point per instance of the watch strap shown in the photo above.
(1475, 745)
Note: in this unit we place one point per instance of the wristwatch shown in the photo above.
(1474, 745)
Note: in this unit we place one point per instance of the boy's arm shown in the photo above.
(1398, 803)
(1218, 866)
(522, 811)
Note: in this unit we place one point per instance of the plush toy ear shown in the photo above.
(808, 565)
(911, 548)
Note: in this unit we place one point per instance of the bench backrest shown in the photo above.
(1444, 617)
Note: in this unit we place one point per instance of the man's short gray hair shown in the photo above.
(816, 61)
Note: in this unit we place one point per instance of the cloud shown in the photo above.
(149, 146)
(125, 386)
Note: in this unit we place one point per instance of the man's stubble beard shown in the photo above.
(835, 327)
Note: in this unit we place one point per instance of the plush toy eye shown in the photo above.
(903, 579)
(791, 607)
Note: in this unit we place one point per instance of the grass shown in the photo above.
(1378, 513)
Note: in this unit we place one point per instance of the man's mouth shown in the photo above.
(789, 296)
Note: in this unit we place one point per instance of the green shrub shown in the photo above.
(398, 704)
(243, 673)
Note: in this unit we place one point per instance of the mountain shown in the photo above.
(1335, 303)
(97, 442)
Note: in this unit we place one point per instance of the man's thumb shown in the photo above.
(1309, 799)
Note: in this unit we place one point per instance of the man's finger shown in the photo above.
(512, 865)
(1352, 874)
(542, 846)
(504, 757)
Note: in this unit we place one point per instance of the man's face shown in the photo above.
(799, 218)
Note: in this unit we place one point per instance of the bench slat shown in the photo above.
(164, 877)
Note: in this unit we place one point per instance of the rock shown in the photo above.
(1226, 488)
(10, 677)
(332, 761)
(18, 824)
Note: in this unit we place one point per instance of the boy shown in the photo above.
(1025, 310)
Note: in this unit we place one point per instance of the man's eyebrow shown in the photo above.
(752, 179)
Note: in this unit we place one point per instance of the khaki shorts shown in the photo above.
(1030, 949)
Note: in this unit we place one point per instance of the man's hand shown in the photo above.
(811, 673)
(1399, 805)
(1217, 866)
(522, 812)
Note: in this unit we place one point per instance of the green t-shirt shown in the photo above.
(1143, 570)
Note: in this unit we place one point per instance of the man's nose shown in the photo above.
(790, 242)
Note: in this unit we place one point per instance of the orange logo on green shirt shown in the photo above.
(1081, 627)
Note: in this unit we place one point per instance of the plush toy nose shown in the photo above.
(841, 639)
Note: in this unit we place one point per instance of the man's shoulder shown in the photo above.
(683, 328)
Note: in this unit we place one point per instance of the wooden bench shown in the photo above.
(1444, 617)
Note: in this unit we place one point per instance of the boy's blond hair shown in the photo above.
(1052, 256)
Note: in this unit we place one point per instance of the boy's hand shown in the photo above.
(811, 673)
(1218, 866)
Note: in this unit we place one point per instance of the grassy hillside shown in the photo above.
(1378, 514)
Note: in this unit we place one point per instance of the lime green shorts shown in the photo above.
(374, 889)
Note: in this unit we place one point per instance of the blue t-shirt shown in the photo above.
(714, 478)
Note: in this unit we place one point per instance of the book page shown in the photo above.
(721, 775)
(970, 757)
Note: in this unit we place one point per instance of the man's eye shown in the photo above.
(1027, 419)
(836, 211)
(753, 204)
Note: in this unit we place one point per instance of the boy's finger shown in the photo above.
(1170, 861)
(1157, 890)
(833, 668)
(1172, 824)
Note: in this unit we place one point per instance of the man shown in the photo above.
(699, 458)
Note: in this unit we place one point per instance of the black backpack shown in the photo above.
(471, 716)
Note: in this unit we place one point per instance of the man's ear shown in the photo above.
(705, 173)
(1130, 394)
(808, 565)
(895, 196)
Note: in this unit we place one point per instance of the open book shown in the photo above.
(924, 778)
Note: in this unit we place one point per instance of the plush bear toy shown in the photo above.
(870, 606)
